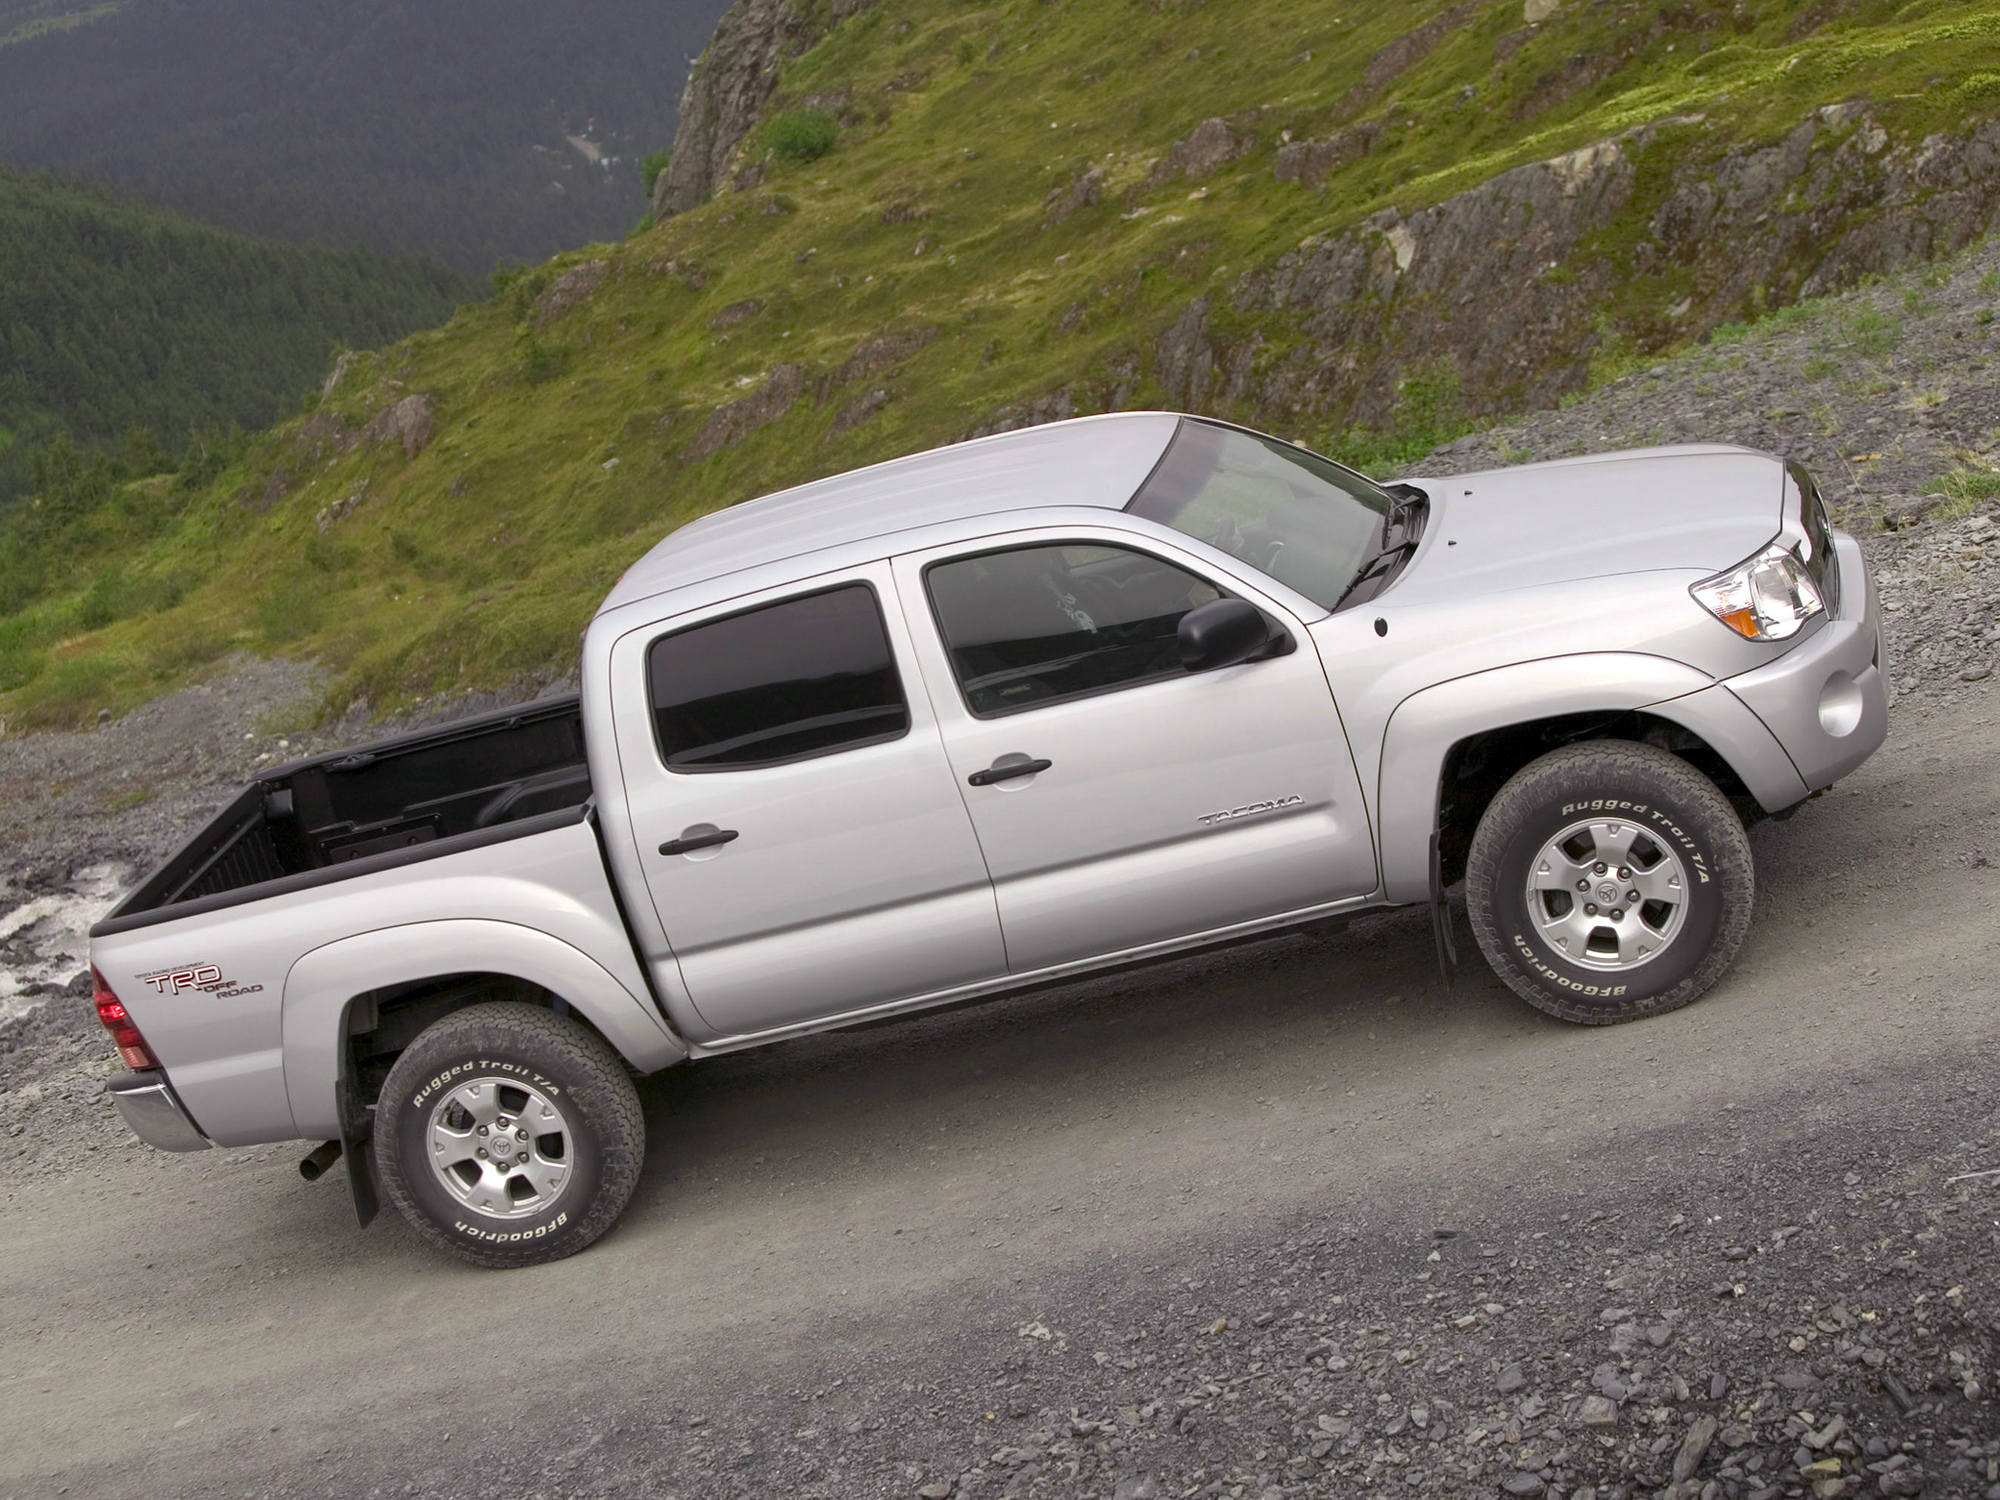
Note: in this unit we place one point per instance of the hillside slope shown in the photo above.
(1371, 232)
(115, 316)
(439, 127)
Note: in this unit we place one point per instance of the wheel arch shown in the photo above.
(358, 1001)
(1447, 749)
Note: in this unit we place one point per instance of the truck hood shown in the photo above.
(1697, 509)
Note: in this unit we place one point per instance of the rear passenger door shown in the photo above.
(804, 843)
(1120, 800)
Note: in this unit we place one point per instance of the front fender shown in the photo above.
(1425, 725)
(322, 982)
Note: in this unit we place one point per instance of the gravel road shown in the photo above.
(1287, 1221)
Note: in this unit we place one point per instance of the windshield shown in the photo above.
(1298, 517)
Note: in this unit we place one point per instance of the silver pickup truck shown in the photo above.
(1082, 696)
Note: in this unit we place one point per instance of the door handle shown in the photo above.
(1007, 773)
(699, 841)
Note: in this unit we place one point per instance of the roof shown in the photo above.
(1087, 461)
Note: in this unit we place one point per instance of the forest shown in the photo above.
(125, 327)
(444, 126)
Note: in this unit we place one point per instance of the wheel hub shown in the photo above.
(1607, 895)
(500, 1148)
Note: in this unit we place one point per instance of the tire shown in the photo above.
(1592, 962)
(492, 1073)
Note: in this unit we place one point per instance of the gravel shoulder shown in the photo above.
(1288, 1220)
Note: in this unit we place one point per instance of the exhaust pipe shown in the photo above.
(314, 1166)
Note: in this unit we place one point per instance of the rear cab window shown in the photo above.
(804, 677)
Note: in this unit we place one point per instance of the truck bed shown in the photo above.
(413, 797)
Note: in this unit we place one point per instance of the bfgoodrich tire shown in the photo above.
(509, 1135)
(1609, 881)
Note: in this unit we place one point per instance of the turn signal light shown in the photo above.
(124, 1031)
(1768, 597)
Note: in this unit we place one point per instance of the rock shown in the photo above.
(571, 287)
(730, 86)
(1975, 674)
(736, 420)
(1212, 146)
(1905, 1481)
(936, 1490)
(1523, 1484)
(409, 421)
(1511, 1380)
(736, 312)
(1140, 1487)
(1082, 193)
(1534, 12)
(1598, 1411)
(1694, 1447)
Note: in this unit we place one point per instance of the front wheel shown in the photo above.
(1609, 881)
(508, 1135)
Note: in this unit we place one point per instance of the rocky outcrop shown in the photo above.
(571, 287)
(409, 422)
(1310, 162)
(1214, 144)
(1404, 53)
(1502, 291)
(730, 86)
(732, 422)
(1081, 193)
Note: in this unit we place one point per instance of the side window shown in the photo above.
(1035, 625)
(805, 677)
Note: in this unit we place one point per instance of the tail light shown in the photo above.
(124, 1032)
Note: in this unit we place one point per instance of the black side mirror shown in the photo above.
(1222, 633)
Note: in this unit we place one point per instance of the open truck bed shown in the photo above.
(415, 797)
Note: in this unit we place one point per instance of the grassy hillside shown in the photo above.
(443, 126)
(114, 316)
(1020, 208)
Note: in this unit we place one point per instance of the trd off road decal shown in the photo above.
(204, 977)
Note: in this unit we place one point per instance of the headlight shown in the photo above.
(1768, 598)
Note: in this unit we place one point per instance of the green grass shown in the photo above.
(1965, 491)
(927, 218)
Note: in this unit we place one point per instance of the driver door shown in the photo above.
(1171, 803)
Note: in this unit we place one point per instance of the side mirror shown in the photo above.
(1222, 633)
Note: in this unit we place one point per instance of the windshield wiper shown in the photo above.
(1408, 506)
(1383, 563)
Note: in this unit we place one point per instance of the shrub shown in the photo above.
(801, 135)
(651, 165)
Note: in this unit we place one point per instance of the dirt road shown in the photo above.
(891, 1207)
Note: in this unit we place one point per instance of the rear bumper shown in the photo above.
(1825, 700)
(154, 1113)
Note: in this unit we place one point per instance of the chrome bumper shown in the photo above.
(1825, 700)
(154, 1113)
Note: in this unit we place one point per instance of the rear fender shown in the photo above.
(1427, 724)
(323, 982)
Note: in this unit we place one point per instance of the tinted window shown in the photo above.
(1300, 518)
(800, 678)
(1037, 624)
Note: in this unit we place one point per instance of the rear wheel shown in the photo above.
(509, 1135)
(1609, 881)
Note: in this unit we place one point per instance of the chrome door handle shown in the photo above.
(1007, 773)
(699, 841)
